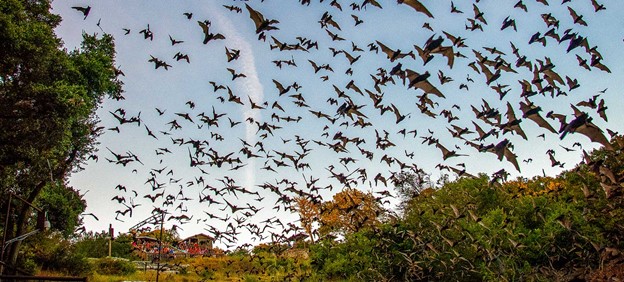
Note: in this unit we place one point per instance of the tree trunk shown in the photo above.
(25, 210)
(19, 225)
(308, 230)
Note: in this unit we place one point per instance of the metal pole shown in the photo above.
(162, 221)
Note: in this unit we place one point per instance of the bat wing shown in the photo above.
(203, 26)
(594, 133)
(445, 151)
(278, 85)
(255, 16)
(418, 7)
(511, 157)
(429, 88)
(539, 120)
(511, 116)
(449, 54)
(389, 52)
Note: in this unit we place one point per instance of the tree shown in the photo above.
(95, 245)
(308, 215)
(409, 185)
(63, 205)
(48, 97)
(567, 227)
(51, 251)
(349, 211)
(169, 236)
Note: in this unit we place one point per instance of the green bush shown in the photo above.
(538, 229)
(113, 266)
(50, 251)
(347, 260)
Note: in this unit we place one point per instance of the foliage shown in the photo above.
(309, 213)
(113, 266)
(349, 211)
(263, 263)
(168, 236)
(348, 260)
(95, 245)
(540, 229)
(409, 185)
(50, 251)
(63, 205)
(271, 247)
(48, 97)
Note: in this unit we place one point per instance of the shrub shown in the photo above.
(112, 266)
(51, 252)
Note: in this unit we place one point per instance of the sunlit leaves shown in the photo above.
(349, 211)
(308, 214)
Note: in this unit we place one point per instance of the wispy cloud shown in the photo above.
(249, 85)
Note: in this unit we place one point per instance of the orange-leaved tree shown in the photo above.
(349, 211)
(308, 214)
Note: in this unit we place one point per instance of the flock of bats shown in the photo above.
(356, 109)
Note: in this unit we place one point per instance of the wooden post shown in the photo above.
(110, 239)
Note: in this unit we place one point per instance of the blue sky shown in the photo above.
(397, 26)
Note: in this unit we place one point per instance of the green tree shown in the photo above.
(567, 227)
(354, 259)
(95, 245)
(409, 185)
(48, 96)
(169, 236)
(51, 251)
(63, 205)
